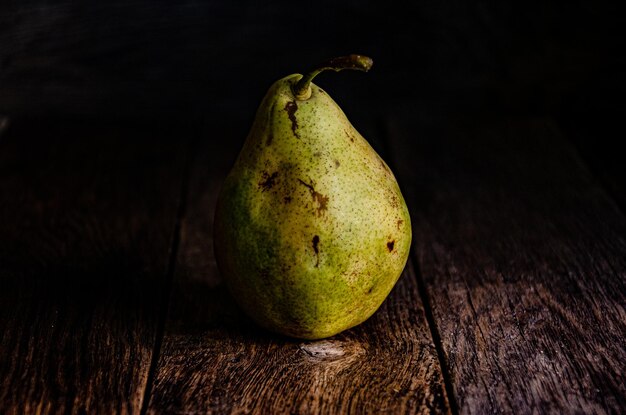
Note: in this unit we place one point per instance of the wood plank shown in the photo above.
(524, 261)
(87, 214)
(214, 359)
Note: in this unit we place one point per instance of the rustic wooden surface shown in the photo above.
(524, 259)
(110, 299)
(87, 215)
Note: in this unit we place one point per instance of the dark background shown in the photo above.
(195, 59)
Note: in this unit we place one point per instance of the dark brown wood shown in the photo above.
(87, 212)
(215, 359)
(524, 260)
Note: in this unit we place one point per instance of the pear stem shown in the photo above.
(302, 89)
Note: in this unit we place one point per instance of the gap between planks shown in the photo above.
(522, 256)
(385, 131)
(86, 249)
(171, 268)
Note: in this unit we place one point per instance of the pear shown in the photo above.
(311, 230)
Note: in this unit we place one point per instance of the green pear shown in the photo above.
(311, 230)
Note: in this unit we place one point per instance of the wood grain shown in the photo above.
(215, 360)
(524, 260)
(86, 219)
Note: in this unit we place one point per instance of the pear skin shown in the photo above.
(311, 229)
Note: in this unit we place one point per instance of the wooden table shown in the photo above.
(513, 300)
